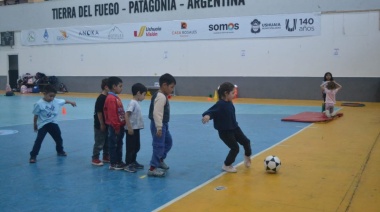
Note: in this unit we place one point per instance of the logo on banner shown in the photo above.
(46, 35)
(115, 34)
(223, 28)
(149, 31)
(63, 36)
(255, 26)
(289, 26)
(184, 32)
(89, 33)
(31, 36)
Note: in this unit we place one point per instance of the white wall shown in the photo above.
(356, 35)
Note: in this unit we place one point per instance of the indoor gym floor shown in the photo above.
(330, 166)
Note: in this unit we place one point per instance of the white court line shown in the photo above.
(223, 173)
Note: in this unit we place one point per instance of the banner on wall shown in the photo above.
(303, 24)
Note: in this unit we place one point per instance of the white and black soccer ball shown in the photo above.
(272, 164)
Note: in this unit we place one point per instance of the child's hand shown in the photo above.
(159, 133)
(130, 131)
(205, 119)
(74, 104)
(103, 127)
(35, 128)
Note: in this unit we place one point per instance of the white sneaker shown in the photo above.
(334, 113)
(327, 113)
(230, 169)
(247, 161)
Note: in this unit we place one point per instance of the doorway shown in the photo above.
(13, 71)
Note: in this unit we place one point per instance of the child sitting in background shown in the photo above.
(330, 88)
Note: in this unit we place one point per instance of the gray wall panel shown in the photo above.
(301, 88)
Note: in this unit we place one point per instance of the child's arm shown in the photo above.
(101, 121)
(205, 119)
(323, 85)
(209, 114)
(128, 123)
(35, 123)
(339, 86)
(158, 112)
(74, 104)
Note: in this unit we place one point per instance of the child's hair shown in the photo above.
(104, 83)
(225, 87)
(50, 89)
(138, 87)
(328, 73)
(167, 78)
(331, 85)
(113, 81)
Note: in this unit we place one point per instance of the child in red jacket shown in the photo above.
(115, 119)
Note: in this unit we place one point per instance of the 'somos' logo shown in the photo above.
(89, 33)
(289, 27)
(115, 34)
(149, 31)
(63, 35)
(223, 28)
(31, 36)
(255, 26)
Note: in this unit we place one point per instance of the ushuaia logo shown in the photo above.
(255, 26)
(149, 31)
(289, 27)
(115, 34)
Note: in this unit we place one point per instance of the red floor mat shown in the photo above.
(310, 117)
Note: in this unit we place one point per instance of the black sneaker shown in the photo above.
(116, 167)
(32, 160)
(61, 154)
(137, 165)
(130, 168)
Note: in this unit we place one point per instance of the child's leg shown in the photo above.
(100, 141)
(55, 132)
(119, 148)
(130, 141)
(168, 140)
(229, 139)
(244, 141)
(37, 143)
(158, 146)
(112, 145)
(136, 145)
(106, 149)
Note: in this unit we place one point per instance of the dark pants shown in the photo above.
(132, 146)
(115, 142)
(232, 138)
(100, 144)
(54, 131)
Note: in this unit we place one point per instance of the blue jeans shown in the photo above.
(115, 142)
(161, 145)
(54, 131)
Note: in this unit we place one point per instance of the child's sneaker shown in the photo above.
(229, 169)
(327, 113)
(62, 154)
(32, 160)
(156, 173)
(116, 167)
(137, 165)
(247, 161)
(334, 113)
(163, 165)
(97, 162)
(106, 158)
(130, 168)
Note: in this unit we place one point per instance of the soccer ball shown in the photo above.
(272, 164)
